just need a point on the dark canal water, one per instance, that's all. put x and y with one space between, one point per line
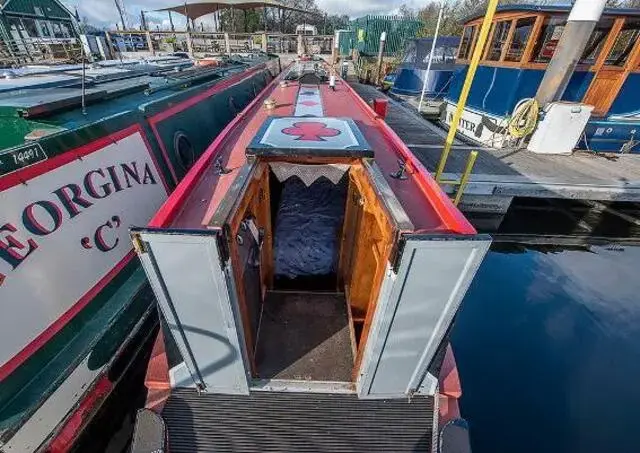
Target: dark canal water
548 349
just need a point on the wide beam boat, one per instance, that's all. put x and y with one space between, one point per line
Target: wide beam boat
522 42
87 152
307 270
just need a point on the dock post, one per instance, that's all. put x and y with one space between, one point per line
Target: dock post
227 44
189 44
383 39
150 43
110 49
466 88
583 19
334 48
471 161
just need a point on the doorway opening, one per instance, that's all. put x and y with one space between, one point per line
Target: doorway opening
309 252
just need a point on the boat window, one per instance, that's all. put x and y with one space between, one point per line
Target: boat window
625 42
441 55
596 42
521 36
550 36
500 35
465 44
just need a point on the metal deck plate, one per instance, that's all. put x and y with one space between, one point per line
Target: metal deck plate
296 422
324 137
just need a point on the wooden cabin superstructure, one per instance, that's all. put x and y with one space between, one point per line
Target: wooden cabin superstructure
521 43
307 252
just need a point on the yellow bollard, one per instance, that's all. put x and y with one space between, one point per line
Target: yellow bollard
471 161
466 88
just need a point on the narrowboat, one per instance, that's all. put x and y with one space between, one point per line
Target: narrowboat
408 78
521 43
307 271
87 152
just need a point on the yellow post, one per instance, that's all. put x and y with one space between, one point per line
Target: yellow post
466 88
465 176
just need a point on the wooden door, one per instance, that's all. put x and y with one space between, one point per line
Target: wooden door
617 59
604 89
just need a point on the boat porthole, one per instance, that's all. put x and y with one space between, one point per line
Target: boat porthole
183 150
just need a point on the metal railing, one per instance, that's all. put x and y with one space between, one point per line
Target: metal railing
200 42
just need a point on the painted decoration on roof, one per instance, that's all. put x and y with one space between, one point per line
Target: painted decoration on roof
301 133
309 102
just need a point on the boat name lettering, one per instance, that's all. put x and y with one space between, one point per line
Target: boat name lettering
464 124
44 217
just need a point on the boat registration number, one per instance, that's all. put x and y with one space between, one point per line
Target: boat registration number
23 157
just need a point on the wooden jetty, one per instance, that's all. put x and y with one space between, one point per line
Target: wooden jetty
502 174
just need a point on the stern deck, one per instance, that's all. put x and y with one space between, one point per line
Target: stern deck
296 422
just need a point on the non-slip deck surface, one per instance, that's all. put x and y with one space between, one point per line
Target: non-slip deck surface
296 422
304 336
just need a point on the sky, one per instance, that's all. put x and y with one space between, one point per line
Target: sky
104 13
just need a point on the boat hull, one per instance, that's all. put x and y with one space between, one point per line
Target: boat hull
79 300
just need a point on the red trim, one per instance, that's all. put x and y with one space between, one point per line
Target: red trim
26 352
170 208
66 438
453 219
25 174
157 379
154 120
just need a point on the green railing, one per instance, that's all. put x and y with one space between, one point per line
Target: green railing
369 28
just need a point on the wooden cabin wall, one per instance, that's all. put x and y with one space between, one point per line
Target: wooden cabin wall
255 202
367 243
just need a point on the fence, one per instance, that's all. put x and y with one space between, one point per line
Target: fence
203 43
367 31
16 52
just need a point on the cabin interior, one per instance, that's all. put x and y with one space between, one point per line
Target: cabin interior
309 242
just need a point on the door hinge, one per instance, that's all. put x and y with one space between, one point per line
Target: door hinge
138 244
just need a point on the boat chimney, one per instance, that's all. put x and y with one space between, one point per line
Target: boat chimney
583 18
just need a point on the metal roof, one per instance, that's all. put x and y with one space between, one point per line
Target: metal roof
632 12
199 8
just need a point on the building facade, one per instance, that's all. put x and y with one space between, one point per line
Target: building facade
34 30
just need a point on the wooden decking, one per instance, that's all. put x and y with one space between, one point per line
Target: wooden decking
500 175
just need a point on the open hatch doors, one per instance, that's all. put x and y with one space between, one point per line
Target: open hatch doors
416 305
195 298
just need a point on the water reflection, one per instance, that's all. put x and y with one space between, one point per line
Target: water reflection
548 347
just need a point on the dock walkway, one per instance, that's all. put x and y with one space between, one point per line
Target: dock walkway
500 175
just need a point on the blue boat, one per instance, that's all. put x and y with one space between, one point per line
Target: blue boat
408 78
522 41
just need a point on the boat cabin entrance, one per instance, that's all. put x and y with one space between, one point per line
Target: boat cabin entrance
306 272
309 243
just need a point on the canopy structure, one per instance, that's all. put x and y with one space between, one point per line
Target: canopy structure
198 8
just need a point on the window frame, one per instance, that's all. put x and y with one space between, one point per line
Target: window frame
474 30
513 18
512 35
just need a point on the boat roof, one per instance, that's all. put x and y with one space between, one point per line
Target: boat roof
49 97
444 41
553 9
200 194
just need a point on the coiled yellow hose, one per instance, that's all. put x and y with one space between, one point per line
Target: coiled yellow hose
524 119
